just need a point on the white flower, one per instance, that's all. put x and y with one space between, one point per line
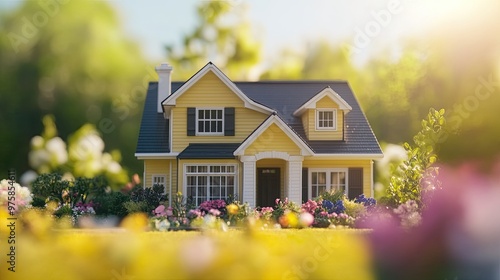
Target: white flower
37 158
162 225
114 167
57 148
37 142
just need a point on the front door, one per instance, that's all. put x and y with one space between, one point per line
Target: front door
268 186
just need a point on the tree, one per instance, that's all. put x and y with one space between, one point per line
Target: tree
70 59
222 36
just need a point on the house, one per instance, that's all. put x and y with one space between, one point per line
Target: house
210 138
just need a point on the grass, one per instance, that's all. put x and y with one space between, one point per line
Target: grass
130 253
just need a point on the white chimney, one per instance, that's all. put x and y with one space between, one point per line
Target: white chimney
164 71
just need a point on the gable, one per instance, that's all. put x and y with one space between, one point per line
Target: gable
273 135
209 91
208 69
326 102
328 92
273 139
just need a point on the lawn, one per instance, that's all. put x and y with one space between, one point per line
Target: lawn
45 253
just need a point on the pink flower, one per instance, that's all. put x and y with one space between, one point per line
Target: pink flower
169 211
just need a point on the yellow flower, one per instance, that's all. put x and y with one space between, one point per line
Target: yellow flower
232 209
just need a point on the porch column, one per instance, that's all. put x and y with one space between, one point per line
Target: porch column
294 180
249 184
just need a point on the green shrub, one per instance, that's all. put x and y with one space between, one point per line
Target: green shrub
111 204
85 188
136 207
353 209
50 186
151 197
333 195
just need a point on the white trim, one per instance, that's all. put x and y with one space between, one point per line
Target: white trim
249 103
371 180
328 91
274 119
197 132
156 155
170 133
328 178
316 120
170 183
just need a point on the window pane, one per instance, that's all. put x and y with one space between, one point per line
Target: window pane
219 126
321 177
213 114
213 126
201 114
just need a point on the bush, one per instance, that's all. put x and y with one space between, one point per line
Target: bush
150 198
50 186
111 204
136 207
85 188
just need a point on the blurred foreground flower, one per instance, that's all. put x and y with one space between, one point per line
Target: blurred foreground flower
22 195
458 238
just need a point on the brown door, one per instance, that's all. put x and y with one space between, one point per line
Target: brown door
268 186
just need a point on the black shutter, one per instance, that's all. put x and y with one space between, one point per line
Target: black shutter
355 182
229 121
305 185
191 121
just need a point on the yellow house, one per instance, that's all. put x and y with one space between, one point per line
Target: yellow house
212 138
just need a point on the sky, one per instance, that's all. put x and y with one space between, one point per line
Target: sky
370 26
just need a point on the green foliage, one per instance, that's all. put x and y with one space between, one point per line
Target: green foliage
416 174
222 36
83 188
80 71
146 199
136 207
333 195
112 204
50 187
353 209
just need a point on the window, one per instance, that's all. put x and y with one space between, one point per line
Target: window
325 180
160 180
210 121
209 182
326 119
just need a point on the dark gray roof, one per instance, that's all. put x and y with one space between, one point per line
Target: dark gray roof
283 96
209 150
153 134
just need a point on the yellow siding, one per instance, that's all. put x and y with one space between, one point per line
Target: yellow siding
273 139
183 162
263 163
305 123
326 103
365 164
208 92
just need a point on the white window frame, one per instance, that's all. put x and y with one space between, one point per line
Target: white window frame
154 178
334 115
198 132
328 182
207 174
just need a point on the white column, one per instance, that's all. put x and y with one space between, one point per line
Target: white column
294 180
249 181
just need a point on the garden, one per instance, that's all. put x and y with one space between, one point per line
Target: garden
431 223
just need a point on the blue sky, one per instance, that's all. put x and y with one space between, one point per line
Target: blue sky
377 25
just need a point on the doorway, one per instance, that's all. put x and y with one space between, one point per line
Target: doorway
268 186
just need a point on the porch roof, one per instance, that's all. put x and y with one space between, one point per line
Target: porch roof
209 150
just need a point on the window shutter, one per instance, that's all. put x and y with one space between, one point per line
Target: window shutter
229 121
355 182
305 185
191 121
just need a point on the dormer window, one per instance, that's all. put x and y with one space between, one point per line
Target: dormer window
210 121
326 119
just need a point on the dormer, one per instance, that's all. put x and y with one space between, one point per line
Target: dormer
323 115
